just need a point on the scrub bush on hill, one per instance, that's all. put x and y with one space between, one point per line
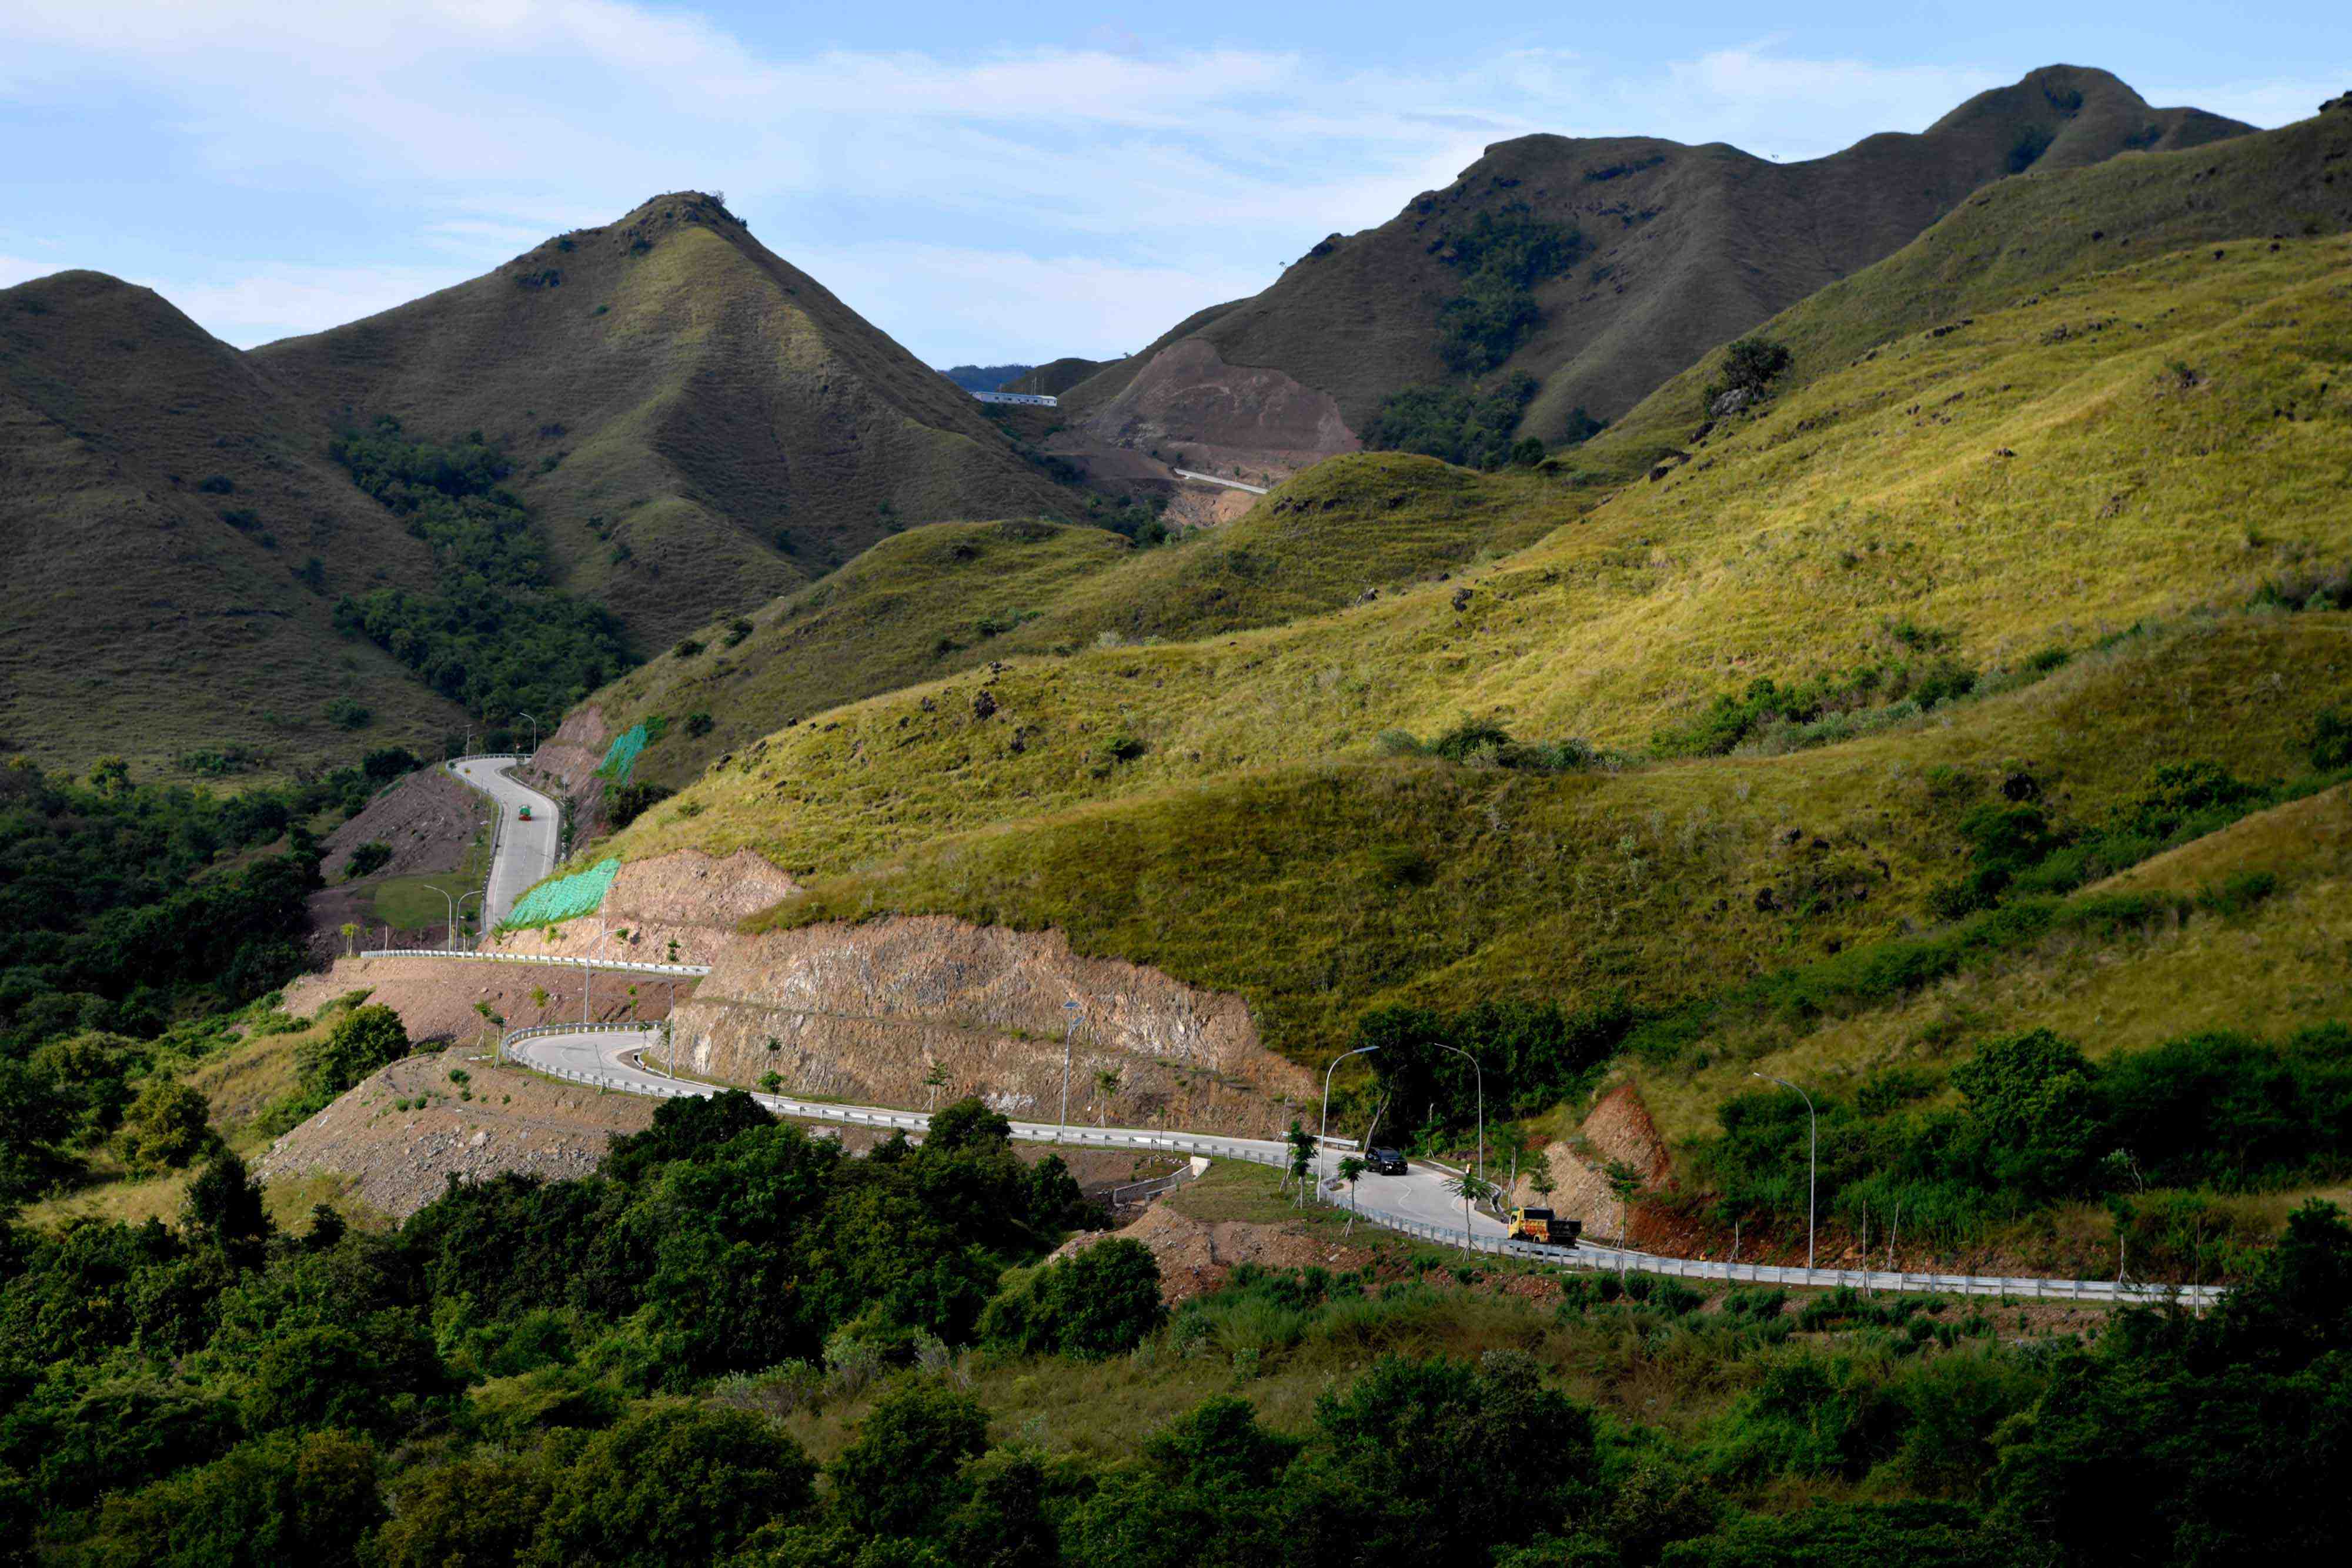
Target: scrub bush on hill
2038 1122
493 636
1455 423
214 1393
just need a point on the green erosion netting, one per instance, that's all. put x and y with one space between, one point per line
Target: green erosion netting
566 896
621 754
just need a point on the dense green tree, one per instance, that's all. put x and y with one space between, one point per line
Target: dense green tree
167 1126
364 1041
672 1483
279 1499
899 1475
481 1510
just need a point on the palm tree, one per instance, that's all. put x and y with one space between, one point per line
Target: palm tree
1352 1171
1469 1188
935 1080
350 939
1106 1085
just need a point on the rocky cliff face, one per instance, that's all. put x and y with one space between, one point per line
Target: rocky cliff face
674 909
873 1013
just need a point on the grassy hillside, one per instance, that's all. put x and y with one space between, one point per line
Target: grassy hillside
1678 249
1996 503
2024 235
953 596
177 538
701 425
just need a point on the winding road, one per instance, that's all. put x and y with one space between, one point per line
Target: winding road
1418 1203
526 850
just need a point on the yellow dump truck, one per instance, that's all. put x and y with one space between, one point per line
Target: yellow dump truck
1542 1225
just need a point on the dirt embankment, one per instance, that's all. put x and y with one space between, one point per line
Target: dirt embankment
1195 1255
565 766
1242 421
435 998
870 1013
680 908
404 1133
1619 1132
426 820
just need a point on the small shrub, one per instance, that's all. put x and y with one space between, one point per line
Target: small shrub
217 485
2330 740
370 857
699 724
344 713
737 630
687 648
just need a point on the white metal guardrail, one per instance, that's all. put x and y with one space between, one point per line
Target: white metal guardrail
1220 479
1265 1152
557 959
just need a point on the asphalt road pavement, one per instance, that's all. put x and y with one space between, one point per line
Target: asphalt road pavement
526 849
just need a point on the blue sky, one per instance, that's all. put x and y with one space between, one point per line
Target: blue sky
984 182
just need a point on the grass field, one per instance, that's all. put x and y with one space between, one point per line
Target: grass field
410 903
957 596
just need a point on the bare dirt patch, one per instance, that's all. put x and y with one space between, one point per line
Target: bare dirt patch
435 997
398 1137
1191 408
1195 1256
427 820
869 1013
680 908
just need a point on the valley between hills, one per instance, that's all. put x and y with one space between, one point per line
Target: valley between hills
1827 687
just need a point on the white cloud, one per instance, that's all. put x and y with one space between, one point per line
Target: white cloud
1073 199
285 300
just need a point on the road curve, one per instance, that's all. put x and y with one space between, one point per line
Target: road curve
614 1058
1417 1203
526 852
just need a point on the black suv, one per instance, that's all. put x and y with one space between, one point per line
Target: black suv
1385 1162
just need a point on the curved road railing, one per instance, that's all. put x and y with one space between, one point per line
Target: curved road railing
1266 1152
560 960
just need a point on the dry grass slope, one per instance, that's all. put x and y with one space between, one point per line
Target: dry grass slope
162 501
953 596
2001 490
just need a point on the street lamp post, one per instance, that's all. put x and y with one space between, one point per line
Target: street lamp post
1482 1101
1324 1129
534 730
1812 1156
477 892
450 944
1061 1130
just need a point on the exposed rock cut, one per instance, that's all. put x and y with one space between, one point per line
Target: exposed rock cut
435 997
688 899
1225 417
863 1013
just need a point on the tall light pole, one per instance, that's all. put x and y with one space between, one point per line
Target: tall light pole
1324 1129
450 944
1482 1101
477 892
1812 1158
1061 1130
534 730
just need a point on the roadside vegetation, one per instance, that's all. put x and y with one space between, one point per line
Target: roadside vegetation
137 921
737 1345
